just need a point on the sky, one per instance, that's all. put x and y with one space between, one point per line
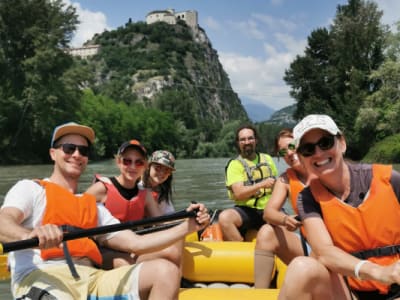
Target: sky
256 40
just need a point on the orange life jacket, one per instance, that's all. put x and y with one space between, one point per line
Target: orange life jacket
121 208
296 186
373 224
65 208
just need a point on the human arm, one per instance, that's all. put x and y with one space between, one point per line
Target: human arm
98 190
17 219
243 192
273 213
333 257
128 241
339 261
152 208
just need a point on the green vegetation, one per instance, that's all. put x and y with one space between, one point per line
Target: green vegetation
158 84
385 151
351 72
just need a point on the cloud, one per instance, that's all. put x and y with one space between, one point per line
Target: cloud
249 28
212 23
90 24
390 9
260 79
275 23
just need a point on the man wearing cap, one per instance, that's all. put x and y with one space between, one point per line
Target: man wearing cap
350 213
60 270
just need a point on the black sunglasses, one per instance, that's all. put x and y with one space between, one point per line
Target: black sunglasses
324 143
282 152
71 148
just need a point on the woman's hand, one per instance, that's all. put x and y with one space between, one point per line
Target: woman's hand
291 222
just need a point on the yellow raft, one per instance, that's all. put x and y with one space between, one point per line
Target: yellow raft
222 270
231 264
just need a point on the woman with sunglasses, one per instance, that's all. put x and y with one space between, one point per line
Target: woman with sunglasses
127 201
278 237
350 213
158 178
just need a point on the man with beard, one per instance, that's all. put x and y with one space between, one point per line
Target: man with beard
249 180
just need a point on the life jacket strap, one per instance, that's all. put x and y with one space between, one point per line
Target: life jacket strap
377 252
68 257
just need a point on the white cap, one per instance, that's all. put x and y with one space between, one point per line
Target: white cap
309 122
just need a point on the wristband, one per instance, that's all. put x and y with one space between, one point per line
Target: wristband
358 267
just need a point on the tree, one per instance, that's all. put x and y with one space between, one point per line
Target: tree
379 116
333 77
35 70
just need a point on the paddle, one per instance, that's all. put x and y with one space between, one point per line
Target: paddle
80 233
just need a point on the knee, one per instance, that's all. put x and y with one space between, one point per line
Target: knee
168 269
174 253
308 267
226 217
265 236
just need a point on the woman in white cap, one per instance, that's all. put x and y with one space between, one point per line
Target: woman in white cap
350 213
158 178
277 236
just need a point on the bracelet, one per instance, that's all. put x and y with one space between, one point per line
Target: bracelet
358 267
284 220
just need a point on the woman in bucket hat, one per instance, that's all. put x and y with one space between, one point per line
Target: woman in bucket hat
158 178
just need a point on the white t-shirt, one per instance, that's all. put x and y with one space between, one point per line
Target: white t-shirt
30 197
166 208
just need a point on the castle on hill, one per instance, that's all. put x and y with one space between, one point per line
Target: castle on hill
168 16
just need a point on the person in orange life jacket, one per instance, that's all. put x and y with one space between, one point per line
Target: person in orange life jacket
67 270
350 213
277 237
127 201
158 178
250 194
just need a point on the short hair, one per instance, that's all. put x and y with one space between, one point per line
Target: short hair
246 126
285 132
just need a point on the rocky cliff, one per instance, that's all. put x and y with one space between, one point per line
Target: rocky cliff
170 67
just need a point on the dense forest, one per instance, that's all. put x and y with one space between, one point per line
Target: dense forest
349 70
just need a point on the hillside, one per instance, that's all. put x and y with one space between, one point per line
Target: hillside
257 111
169 67
283 117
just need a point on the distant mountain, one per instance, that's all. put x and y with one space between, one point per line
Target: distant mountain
257 111
284 117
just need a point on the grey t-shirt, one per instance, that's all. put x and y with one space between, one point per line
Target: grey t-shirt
360 181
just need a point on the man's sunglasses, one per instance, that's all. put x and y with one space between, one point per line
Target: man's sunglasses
128 162
71 148
282 152
324 143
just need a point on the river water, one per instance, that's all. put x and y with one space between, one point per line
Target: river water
201 180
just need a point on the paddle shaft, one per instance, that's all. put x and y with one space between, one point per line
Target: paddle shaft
80 233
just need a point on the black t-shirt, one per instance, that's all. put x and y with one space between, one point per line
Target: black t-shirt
128 194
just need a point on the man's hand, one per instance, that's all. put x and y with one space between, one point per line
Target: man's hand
202 218
49 236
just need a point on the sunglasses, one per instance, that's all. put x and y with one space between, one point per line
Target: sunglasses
161 168
71 148
282 152
128 162
324 143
